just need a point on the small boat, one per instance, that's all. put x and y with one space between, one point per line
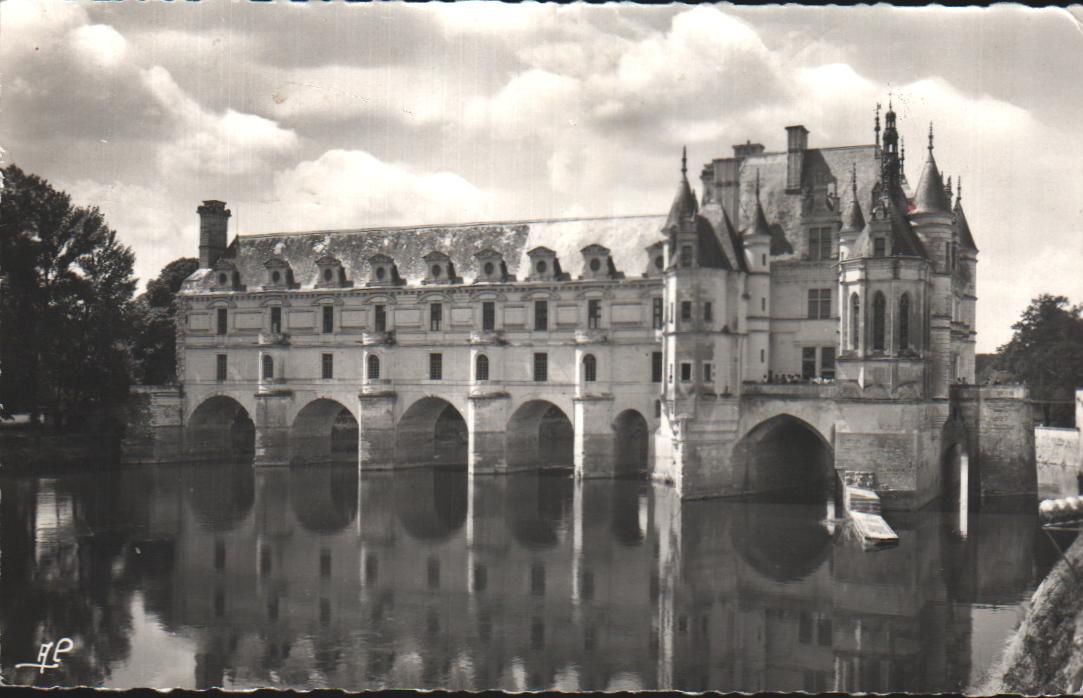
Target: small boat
863 508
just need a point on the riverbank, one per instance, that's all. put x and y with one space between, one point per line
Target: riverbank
1045 654
43 450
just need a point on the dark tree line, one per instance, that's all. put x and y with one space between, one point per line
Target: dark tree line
72 338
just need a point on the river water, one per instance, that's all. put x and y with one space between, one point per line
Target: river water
225 575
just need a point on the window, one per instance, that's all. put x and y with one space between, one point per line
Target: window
686 310
656 313
708 372
763 260
327 273
594 314
327 365
436 316
220 367
541 315
595 264
381 318
656 367
488 316
879 247
763 356
222 318
276 319
819 243
541 367
481 368
819 303
657 409
436 271
763 304
708 312
855 322
827 362
904 322
373 367
328 319
686 256
808 362
268 367
590 368
541 266
436 367
879 310
686 372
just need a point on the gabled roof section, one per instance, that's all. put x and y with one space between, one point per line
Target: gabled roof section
962 228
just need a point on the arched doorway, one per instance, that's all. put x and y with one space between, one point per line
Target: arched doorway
632 444
431 432
324 431
787 458
220 429
540 435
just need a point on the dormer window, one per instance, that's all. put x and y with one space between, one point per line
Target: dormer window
656 259
598 263
491 267
226 277
440 269
330 273
278 274
544 265
383 271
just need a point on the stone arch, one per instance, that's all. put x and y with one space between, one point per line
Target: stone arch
785 454
539 435
633 443
220 427
432 431
324 500
324 431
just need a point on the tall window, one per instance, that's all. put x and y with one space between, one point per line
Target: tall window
879 310
855 322
686 372
819 243
436 367
373 367
808 362
708 372
827 362
879 247
220 367
686 310
436 316
708 312
590 368
656 313
481 368
268 367
686 255
381 318
541 315
594 313
488 316
222 321
327 366
541 367
819 303
904 321
276 319
328 319
656 367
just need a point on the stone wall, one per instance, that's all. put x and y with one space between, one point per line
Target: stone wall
1053 446
153 427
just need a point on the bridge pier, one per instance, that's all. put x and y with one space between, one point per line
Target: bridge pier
272 427
595 447
486 422
376 434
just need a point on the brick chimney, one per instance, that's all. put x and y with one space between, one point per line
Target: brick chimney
213 229
796 145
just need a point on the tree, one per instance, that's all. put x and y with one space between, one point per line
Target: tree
155 348
66 306
1046 352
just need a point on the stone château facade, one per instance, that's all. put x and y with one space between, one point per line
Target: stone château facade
809 311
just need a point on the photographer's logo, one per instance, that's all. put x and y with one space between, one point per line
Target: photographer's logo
62 646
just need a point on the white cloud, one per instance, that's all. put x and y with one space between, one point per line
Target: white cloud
99 45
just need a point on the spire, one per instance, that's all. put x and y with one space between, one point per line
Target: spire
959 191
759 221
931 196
962 228
902 157
684 204
877 128
853 219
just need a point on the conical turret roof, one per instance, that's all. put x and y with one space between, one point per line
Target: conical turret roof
684 206
966 239
759 219
930 196
852 218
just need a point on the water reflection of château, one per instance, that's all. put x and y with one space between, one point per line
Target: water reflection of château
304 578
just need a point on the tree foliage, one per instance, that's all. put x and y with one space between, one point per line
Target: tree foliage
66 305
1046 353
154 348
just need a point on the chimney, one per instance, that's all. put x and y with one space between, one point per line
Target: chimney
796 145
213 228
747 149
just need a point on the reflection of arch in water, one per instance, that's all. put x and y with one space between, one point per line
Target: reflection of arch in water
324 500
220 427
324 431
632 443
629 521
539 435
431 431
431 504
785 454
783 542
220 498
538 508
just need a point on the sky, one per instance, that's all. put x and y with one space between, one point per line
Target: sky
306 116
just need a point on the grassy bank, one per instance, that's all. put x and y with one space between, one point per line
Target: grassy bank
41 451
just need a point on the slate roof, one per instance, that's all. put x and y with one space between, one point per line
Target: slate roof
930 195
